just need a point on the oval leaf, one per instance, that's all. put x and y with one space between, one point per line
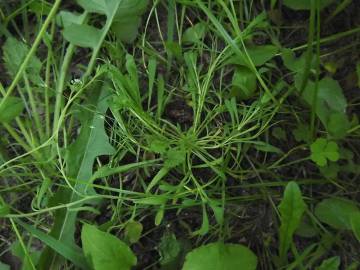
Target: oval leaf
219 256
291 209
105 251
336 212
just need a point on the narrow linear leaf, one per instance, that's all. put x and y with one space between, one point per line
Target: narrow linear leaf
71 252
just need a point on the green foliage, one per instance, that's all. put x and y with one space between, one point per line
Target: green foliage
14 53
305 4
220 256
330 264
133 230
336 212
195 33
11 109
355 224
169 249
80 155
291 209
69 251
4 208
323 150
105 251
243 83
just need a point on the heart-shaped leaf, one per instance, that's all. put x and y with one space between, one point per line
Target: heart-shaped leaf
323 150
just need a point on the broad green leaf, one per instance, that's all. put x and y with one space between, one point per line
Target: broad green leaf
195 33
14 53
338 125
243 83
66 18
323 150
262 53
330 264
133 230
105 251
82 35
128 18
11 109
258 54
355 224
94 6
305 4
69 251
80 155
330 99
220 256
169 248
292 208
336 212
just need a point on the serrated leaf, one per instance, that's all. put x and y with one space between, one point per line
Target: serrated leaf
323 150
80 155
355 224
336 212
330 264
14 53
174 157
292 208
219 256
11 109
105 251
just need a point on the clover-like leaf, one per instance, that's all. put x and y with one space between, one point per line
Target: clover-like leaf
322 150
